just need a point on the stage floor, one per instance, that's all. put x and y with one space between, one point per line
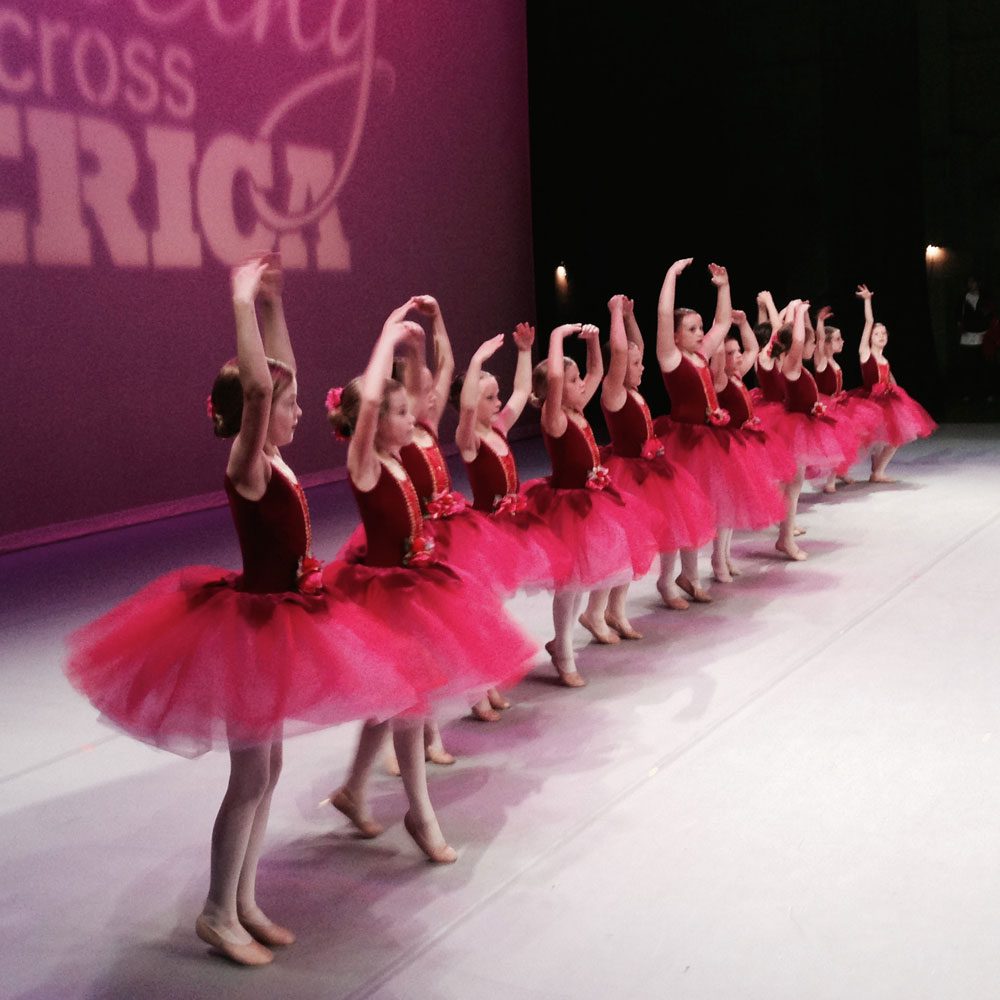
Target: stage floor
791 793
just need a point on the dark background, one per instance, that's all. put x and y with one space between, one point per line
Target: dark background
806 146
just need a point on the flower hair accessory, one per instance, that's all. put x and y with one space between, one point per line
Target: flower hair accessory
210 407
598 478
333 398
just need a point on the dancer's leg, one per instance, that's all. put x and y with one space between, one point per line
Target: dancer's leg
420 820
616 617
671 595
565 608
593 619
786 543
352 797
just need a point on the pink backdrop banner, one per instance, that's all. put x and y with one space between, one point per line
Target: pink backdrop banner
146 145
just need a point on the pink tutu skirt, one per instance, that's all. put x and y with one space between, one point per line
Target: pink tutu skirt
606 532
445 622
817 442
741 487
903 418
686 516
770 451
191 664
864 416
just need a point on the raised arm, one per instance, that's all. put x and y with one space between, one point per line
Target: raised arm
553 417
444 360
723 319
770 310
362 460
613 391
277 343
632 331
524 338
865 347
668 354
809 350
748 341
717 365
821 357
466 437
247 462
792 368
595 363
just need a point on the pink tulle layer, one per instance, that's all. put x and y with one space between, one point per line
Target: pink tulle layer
820 444
453 629
190 664
903 418
686 516
606 531
743 490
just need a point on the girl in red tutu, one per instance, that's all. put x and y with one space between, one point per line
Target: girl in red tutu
696 434
536 557
603 529
202 658
903 418
731 362
637 461
864 415
454 634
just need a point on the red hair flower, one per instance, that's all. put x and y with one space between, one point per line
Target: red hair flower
209 407
333 398
653 448
309 579
419 550
598 478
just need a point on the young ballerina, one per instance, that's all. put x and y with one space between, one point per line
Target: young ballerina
452 627
864 415
202 658
729 365
538 559
637 461
904 419
604 530
695 434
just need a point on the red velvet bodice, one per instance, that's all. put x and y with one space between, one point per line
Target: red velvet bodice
426 467
692 395
735 397
573 456
491 475
274 534
630 427
830 380
772 385
873 373
390 512
800 394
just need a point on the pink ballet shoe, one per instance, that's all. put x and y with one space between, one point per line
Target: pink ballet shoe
344 802
568 678
485 713
791 551
268 932
604 636
697 594
497 700
439 855
623 628
438 755
250 954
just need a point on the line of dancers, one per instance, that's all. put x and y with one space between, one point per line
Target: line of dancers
408 620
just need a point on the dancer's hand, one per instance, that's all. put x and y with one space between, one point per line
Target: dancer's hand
628 306
488 348
863 292
615 302
272 282
589 332
245 279
524 336
763 297
426 304
720 276
679 266
567 330
739 317
824 314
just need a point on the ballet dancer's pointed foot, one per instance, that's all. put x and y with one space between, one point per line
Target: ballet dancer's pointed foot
344 802
881 478
497 700
599 630
623 627
565 666
436 754
484 711
698 594
431 841
673 601
392 764
830 488
734 570
721 573
265 930
846 480
790 550
798 531
228 943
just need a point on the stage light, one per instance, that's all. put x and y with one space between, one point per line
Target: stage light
561 274
933 253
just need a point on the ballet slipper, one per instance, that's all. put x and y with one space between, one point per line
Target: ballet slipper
673 601
698 594
733 570
251 953
798 531
623 627
791 551
344 802
604 636
497 700
484 711
568 678
830 488
846 480
439 855
873 478
721 574
268 932
437 754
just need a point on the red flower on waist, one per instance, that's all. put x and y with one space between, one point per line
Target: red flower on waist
753 424
510 503
598 478
882 389
819 409
652 448
309 579
445 505
419 550
717 417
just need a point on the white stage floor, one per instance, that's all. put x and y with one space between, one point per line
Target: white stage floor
791 793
